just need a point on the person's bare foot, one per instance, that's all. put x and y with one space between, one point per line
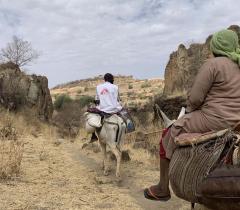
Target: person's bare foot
156 192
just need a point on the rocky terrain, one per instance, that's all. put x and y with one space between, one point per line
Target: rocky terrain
184 64
180 72
132 91
19 91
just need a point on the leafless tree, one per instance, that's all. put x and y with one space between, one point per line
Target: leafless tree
19 52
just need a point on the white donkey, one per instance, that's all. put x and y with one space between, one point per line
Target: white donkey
111 133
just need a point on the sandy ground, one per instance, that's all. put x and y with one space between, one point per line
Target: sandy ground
66 177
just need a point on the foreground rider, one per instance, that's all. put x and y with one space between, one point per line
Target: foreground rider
107 98
212 104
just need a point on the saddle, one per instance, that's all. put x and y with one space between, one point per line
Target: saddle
209 167
223 180
124 114
96 118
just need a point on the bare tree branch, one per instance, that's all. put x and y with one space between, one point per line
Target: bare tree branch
19 52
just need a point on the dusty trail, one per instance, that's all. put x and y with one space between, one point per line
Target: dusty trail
65 177
133 179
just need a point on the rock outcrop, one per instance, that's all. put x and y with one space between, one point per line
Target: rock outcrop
184 65
19 91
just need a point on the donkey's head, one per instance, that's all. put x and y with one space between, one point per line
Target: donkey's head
166 121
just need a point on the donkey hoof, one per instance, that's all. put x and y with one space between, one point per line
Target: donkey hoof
119 180
118 175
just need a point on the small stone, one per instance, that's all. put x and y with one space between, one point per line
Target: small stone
103 180
57 142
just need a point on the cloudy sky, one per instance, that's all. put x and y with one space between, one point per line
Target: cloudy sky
83 38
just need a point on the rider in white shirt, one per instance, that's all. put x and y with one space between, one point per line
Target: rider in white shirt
108 96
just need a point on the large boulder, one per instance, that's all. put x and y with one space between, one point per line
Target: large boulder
184 64
20 91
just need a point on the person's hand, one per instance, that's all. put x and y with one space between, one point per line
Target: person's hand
97 102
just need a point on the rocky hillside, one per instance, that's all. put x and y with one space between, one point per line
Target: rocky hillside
20 91
183 65
132 91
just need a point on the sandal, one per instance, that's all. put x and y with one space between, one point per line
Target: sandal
148 194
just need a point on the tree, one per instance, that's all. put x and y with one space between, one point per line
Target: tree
19 52
130 86
84 101
61 100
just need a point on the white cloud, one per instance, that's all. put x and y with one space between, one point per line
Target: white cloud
84 38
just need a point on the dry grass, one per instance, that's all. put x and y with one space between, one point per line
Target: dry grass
153 137
11 151
64 176
130 137
14 128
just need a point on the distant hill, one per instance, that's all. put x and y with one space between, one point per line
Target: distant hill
132 91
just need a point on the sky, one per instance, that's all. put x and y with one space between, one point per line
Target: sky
80 39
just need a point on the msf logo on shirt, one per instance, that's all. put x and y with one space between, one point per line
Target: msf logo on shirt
104 91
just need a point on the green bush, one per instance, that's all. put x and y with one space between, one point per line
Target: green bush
85 100
145 85
131 104
142 96
61 100
130 86
129 94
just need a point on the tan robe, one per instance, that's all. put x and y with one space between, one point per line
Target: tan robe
213 102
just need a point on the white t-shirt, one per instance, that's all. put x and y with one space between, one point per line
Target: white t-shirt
107 93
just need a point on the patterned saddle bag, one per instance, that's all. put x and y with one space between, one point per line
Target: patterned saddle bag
191 166
223 180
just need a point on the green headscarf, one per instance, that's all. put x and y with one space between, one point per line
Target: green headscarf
225 42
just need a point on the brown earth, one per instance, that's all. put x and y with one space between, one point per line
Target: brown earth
58 174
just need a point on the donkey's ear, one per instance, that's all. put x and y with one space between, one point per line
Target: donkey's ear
182 112
166 121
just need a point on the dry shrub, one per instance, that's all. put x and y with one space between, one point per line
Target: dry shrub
171 106
148 141
68 120
153 137
130 137
143 117
11 152
12 95
152 141
27 123
8 65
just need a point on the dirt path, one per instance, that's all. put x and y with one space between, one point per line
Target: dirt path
134 179
65 177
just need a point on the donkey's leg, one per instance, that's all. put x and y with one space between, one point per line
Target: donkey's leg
104 152
118 155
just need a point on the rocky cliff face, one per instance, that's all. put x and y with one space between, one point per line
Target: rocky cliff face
184 64
19 91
